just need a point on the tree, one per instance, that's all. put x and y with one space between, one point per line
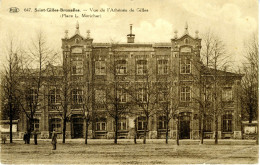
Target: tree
216 59
38 56
250 80
10 83
116 99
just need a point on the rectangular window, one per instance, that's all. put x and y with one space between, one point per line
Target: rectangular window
185 66
54 96
142 95
227 94
77 67
121 67
162 67
35 125
208 124
141 66
162 122
162 95
227 122
77 96
185 93
101 126
121 96
32 95
100 96
141 123
122 124
55 125
100 67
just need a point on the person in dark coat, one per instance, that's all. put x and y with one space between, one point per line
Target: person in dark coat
25 138
54 140
35 138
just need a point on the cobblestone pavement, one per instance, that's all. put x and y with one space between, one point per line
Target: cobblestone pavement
125 152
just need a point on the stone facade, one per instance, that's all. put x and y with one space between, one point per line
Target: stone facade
88 73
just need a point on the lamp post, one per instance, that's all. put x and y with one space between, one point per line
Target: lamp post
86 118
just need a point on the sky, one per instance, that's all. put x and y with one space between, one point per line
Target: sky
232 20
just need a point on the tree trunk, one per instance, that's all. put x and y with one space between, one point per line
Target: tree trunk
116 129
86 136
177 132
145 129
135 132
64 130
202 129
216 129
11 121
167 132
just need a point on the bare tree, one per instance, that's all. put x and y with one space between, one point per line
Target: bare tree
250 80
10 82
216 59
37 57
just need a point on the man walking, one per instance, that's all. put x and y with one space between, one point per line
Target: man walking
54 140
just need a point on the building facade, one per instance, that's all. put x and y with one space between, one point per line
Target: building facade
93 69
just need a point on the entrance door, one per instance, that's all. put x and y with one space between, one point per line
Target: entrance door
78 128
185 126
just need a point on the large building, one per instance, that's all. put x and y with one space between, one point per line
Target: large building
91 67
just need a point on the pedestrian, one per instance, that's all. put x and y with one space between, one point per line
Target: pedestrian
4 139
35 137
25 138
54 140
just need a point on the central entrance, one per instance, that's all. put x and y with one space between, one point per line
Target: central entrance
185 125
77 128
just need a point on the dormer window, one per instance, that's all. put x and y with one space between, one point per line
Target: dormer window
76 40
186 41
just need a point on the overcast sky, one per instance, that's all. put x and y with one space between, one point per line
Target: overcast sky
233 20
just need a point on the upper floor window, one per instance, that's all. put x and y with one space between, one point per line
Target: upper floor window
100 96
121 67
142 95
32 95
54 96
185 93
77 67
185 66
100 67
162 95
121 96
141 66
77 96
162 67
227 94
227 122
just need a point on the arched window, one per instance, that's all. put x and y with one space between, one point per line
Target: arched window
186 41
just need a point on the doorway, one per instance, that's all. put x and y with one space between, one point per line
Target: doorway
77 128
185 125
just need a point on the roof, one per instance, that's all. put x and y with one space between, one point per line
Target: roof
209 71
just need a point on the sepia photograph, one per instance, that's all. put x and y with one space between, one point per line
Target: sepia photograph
129 82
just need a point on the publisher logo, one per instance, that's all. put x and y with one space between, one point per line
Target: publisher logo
14 10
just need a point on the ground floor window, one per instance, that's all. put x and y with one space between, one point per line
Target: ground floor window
227 122
141 123
122 124
208 125
55 125
35 125
101 125
162 122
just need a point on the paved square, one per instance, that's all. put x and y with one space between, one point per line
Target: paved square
105 152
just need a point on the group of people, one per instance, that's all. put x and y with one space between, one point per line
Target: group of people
26 138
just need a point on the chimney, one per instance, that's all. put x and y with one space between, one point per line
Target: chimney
130 37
